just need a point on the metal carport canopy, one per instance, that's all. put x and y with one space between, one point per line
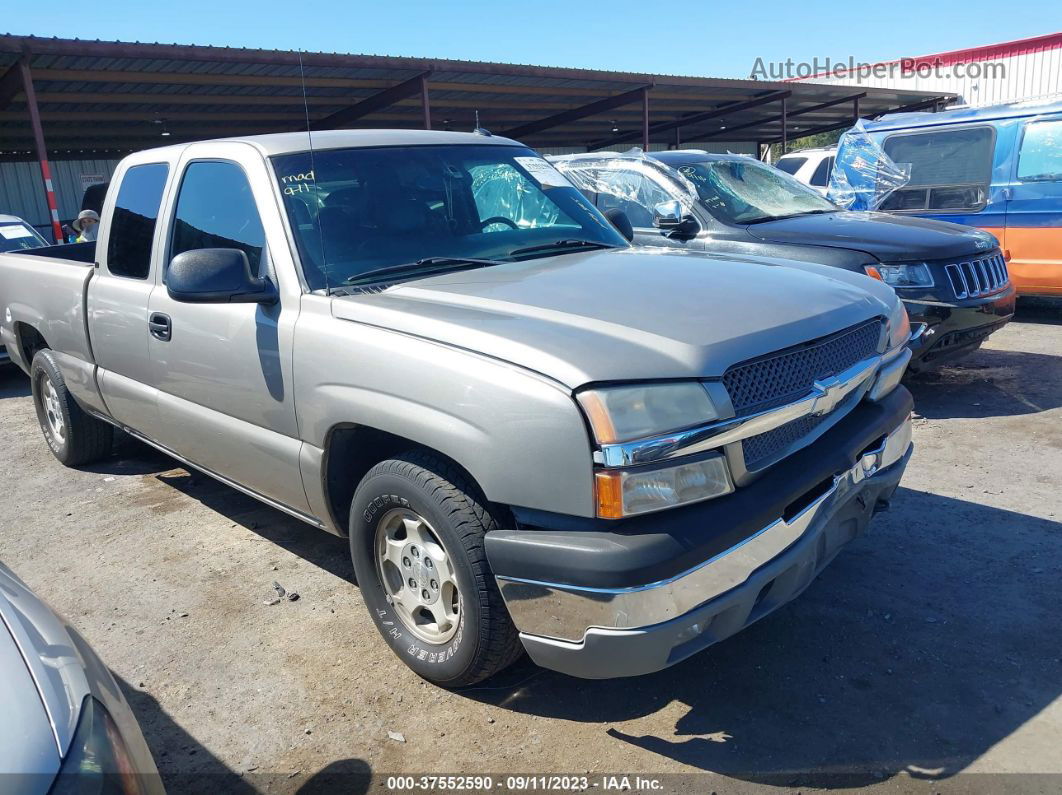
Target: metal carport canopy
114 97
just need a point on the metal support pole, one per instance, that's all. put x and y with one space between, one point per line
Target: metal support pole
42 150
645 119
425 101
855 110
678 137
785 126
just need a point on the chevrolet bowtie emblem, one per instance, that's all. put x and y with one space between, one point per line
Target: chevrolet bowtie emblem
828 393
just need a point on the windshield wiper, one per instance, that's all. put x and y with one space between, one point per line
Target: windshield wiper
427 265
570 244
763 218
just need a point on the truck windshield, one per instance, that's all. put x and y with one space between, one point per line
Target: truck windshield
745 191
364 209
16 236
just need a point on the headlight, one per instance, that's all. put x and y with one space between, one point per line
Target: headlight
899 326
622 492
915 274
97 760
623 413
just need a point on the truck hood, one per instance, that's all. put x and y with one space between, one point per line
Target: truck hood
887 238
625 314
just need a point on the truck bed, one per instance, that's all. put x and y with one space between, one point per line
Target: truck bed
84 253
47 291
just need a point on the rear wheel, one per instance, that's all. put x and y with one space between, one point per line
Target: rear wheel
74 436
416 537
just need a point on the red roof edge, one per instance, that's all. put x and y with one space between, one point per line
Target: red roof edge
988 52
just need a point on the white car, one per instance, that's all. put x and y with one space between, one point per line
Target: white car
17 235
810 166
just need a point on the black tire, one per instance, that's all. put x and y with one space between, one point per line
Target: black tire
433 488
82 438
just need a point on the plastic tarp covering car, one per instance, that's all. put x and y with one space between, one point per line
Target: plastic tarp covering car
621 176
500 191
863 175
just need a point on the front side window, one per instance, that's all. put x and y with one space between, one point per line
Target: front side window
136 211
216 209
950 169
633 193
1040 159
17 236
745 191
357 210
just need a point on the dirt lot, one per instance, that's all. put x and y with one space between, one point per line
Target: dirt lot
928 649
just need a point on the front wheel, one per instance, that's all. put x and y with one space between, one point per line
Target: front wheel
416 537
74 436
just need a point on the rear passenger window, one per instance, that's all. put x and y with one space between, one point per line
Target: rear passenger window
821 177
950 169
133 221
215 209
790 165
1040 159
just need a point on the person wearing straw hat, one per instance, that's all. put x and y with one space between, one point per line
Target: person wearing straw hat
86 225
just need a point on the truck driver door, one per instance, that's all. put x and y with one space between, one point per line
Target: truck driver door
223 370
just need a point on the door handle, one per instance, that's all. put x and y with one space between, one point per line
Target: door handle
160 325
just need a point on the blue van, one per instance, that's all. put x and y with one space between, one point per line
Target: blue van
998 168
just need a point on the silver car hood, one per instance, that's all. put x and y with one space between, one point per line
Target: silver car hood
29 757
49 654
625 314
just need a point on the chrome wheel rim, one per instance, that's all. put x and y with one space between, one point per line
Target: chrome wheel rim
417 575
53 414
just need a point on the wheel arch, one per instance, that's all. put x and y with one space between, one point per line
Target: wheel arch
351 450
29 341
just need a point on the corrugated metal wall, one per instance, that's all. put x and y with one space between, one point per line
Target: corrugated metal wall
1026 76
22 190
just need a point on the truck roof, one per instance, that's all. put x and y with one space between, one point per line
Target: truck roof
289 142
1010 110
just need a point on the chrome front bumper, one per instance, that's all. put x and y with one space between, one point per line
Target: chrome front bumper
606 632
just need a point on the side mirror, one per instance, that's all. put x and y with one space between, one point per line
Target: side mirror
668 215
217 276
619 219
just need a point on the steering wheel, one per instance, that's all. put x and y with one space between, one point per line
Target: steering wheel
497 219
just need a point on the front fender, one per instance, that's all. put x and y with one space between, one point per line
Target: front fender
519 434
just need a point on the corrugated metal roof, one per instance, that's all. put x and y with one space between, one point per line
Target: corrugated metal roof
118 97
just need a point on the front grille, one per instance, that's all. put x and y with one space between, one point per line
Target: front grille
978 276
766 448
787 375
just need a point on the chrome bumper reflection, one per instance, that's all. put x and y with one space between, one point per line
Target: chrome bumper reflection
566 612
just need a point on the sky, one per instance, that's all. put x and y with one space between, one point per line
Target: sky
701 38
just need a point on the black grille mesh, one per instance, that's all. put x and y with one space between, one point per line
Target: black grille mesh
785 376
764 449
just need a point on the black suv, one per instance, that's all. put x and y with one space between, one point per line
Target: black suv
952 279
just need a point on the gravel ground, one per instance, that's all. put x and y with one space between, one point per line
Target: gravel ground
930 648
